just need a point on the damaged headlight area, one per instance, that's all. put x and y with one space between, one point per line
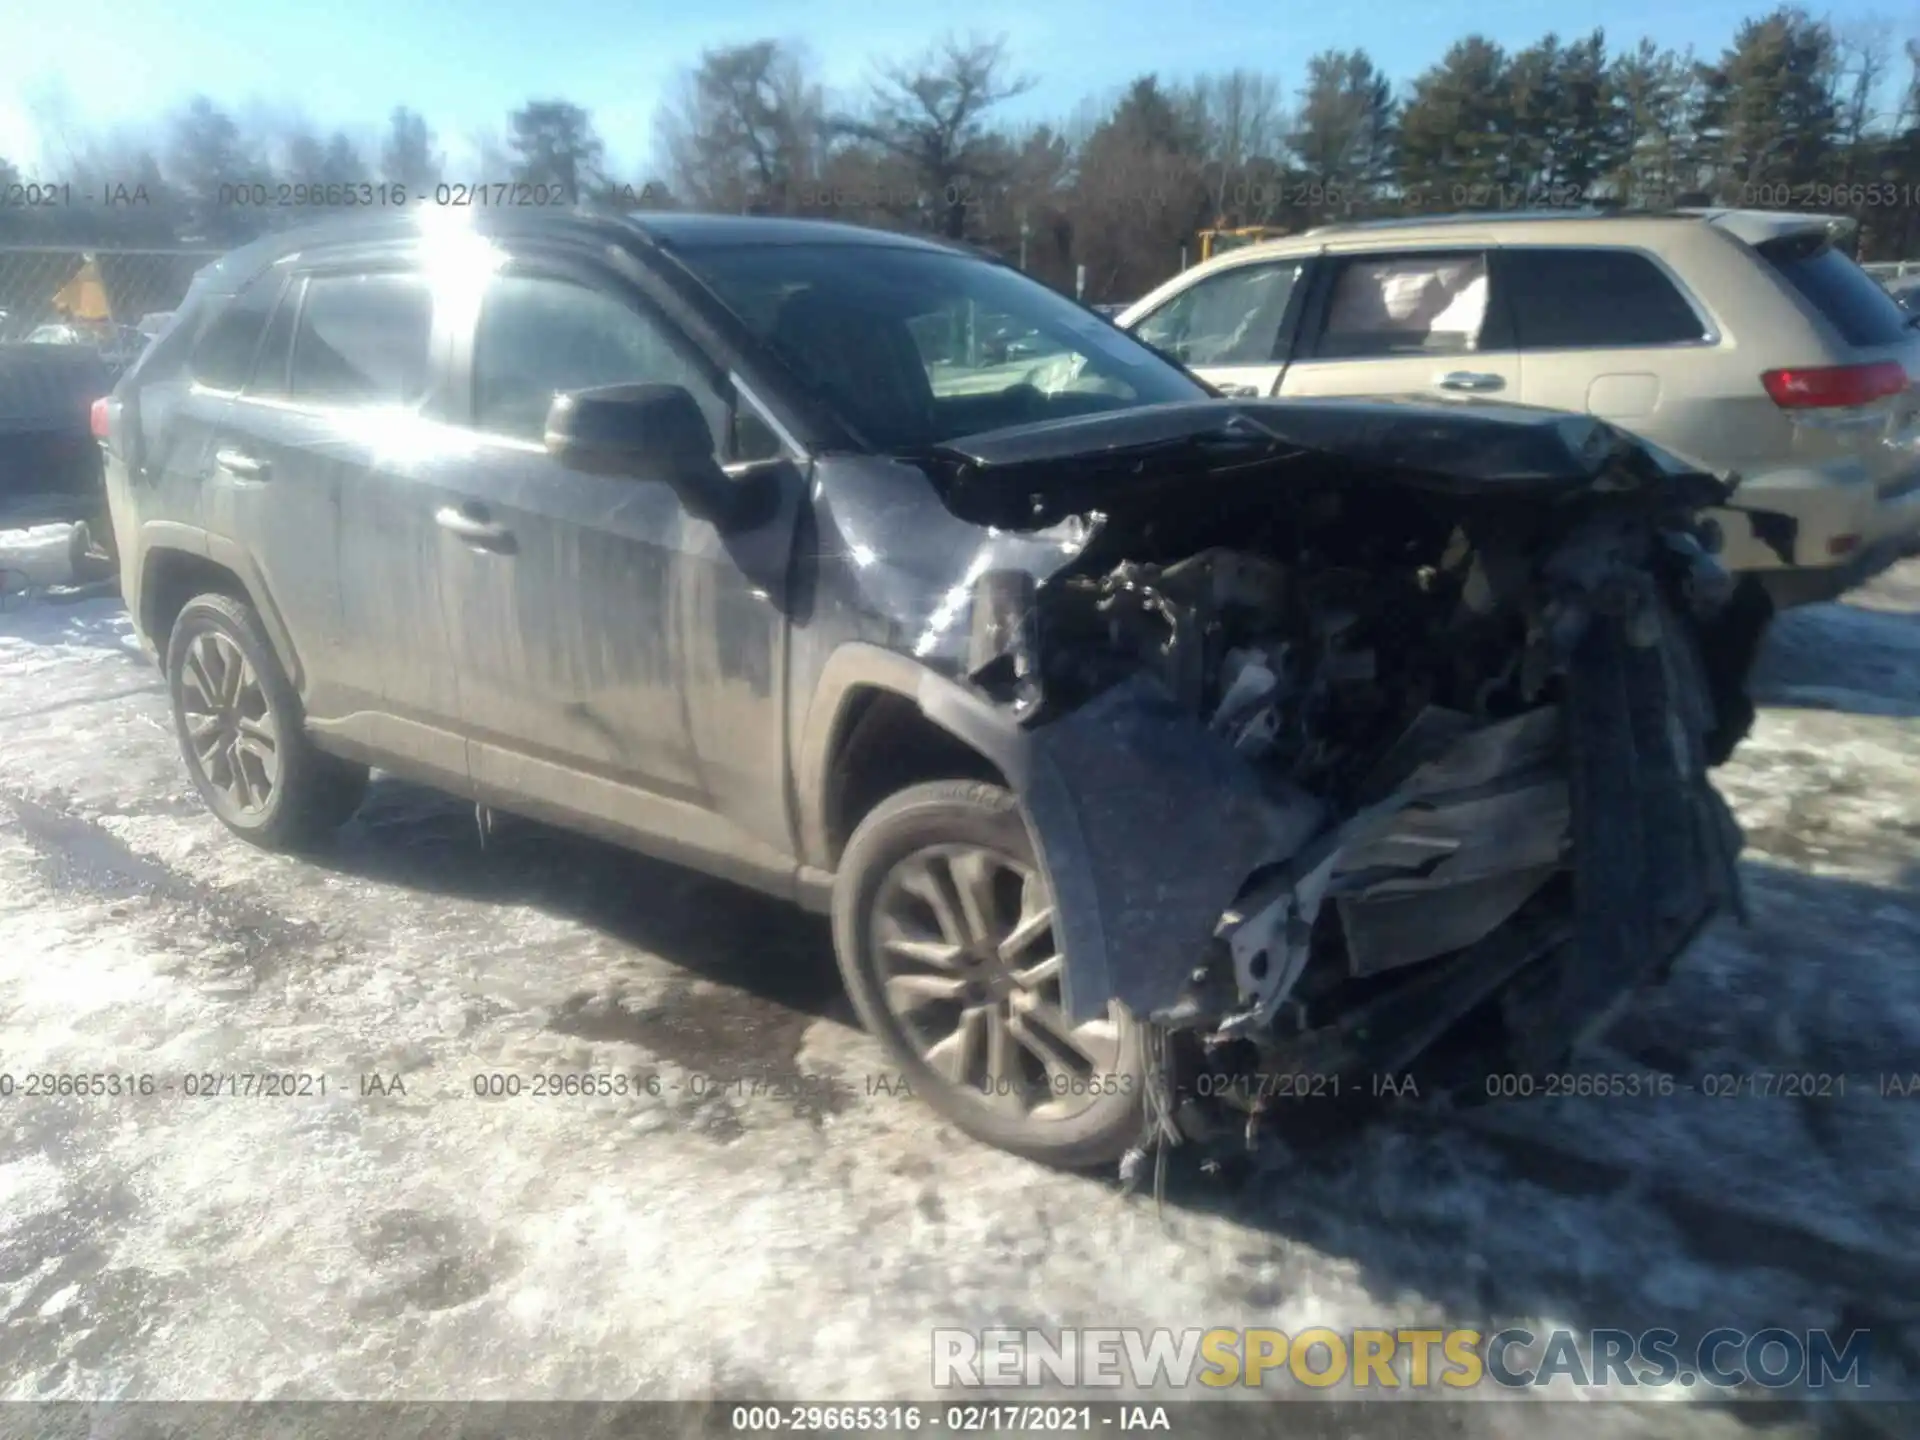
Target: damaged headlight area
1397 782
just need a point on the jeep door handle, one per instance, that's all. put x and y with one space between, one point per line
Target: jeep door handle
481 534
1476 382
238 462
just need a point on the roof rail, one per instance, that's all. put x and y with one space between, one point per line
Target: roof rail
1594 210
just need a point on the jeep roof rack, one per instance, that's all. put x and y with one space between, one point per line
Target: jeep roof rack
1599 210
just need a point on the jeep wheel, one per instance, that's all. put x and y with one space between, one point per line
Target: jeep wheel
239 726
943 923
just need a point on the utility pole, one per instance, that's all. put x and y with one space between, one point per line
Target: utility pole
1024 232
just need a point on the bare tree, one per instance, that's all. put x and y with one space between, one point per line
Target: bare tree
745 130
931 115
1142 191
1243 120
1863 54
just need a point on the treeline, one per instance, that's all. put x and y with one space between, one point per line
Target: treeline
1792 114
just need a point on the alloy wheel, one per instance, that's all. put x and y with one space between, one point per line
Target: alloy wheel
232 734
969 965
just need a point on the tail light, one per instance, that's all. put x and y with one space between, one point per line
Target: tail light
1833 387
98 419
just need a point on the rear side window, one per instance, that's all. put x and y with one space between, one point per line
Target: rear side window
1850 299
223 355
1572 299
363 340
1428 304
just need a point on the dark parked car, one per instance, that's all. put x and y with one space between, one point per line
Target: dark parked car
49 459
1137 741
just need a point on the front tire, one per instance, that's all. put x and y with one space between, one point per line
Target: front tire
943 925
242 734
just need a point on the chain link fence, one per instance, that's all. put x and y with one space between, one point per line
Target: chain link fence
71 321
90 291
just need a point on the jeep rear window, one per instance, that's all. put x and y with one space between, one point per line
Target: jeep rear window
1850 299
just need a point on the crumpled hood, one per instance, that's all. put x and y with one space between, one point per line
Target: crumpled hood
1034 475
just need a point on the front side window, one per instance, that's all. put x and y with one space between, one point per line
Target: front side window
1405 305
1563 299
912 347
539 337
363 340
1228 319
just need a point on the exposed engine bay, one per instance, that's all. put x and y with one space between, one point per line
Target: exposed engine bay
1407 776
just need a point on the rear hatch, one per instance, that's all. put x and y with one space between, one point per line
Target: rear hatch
1859 405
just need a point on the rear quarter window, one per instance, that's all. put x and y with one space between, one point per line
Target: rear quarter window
224 349
1570 299
1850 299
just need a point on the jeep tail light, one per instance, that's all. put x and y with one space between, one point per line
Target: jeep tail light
98 419
1834 387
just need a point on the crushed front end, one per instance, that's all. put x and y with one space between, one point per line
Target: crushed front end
1370 741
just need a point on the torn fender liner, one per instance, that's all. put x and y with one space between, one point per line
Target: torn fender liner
1150 825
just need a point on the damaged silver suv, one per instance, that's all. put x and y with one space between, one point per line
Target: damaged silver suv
1141 743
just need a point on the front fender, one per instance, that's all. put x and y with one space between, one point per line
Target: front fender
1145 822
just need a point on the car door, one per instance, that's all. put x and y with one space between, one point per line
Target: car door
1233 327
1413 321
185 406
272 496
620 662
358 425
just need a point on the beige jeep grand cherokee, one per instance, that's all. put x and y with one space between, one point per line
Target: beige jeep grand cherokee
1744 341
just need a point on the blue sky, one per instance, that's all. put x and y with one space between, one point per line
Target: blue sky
71 67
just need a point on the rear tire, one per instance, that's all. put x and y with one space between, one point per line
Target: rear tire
942 925
242 731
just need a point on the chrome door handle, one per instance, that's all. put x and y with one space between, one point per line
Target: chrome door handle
481 533
1473 381
238 462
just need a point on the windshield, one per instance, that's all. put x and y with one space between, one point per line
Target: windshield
912 348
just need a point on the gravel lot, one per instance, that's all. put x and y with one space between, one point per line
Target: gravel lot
773 1236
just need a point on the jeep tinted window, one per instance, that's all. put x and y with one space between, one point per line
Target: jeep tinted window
1569 299
223 354
363 340
1852 301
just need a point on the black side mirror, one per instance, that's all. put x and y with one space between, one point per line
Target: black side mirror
651 432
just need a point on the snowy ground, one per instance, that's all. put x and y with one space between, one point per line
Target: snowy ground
431 1244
